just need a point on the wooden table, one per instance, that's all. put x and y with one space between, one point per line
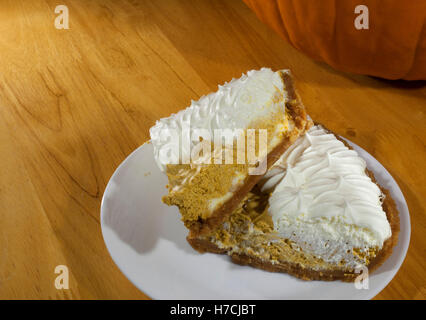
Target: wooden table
74 103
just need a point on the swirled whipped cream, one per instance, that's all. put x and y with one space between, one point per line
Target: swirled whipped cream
257 95
324 201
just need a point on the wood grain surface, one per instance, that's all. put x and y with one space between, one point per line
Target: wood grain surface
74 103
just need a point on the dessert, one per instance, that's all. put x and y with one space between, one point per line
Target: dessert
260 112
317 214
301 201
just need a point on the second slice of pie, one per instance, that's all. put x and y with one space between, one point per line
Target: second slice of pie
317 214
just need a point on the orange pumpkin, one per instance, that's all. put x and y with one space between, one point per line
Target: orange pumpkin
393 46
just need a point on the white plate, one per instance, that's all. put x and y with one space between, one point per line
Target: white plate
146 239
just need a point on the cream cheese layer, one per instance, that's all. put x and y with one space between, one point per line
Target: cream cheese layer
254 97
323 199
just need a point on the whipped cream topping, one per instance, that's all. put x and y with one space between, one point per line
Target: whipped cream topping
235 105
321 193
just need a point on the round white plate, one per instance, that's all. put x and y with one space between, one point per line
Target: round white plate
146 239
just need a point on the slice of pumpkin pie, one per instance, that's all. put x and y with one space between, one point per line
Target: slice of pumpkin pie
318 213
218 148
